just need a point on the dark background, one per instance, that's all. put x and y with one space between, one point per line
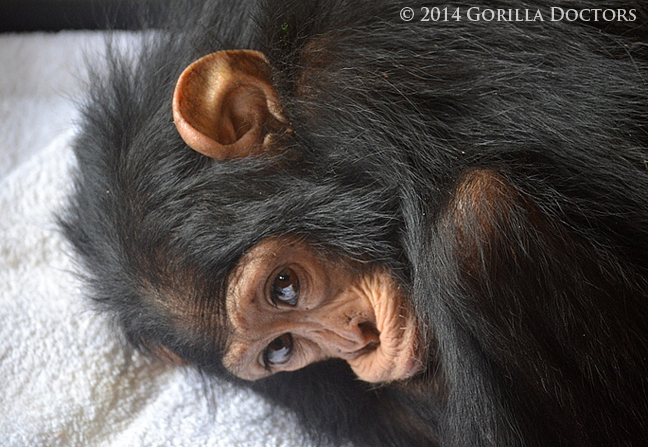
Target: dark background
55 15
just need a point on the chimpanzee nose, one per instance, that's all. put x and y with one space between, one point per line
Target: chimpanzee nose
356 338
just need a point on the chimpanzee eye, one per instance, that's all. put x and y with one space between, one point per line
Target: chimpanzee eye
285 288
278 351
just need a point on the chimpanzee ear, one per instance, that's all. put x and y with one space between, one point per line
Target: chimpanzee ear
225 107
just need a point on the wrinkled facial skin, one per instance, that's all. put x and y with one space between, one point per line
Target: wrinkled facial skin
290 308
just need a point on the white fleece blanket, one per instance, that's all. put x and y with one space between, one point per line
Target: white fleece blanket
65 377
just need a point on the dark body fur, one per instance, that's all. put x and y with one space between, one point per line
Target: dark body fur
499 169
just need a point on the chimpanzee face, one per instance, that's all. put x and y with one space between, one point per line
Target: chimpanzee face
289 308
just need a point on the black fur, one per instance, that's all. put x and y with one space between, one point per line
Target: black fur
539 334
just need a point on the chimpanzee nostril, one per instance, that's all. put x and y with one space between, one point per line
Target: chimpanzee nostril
368 328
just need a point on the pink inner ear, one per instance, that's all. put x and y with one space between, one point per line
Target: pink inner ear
240 114
223 102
